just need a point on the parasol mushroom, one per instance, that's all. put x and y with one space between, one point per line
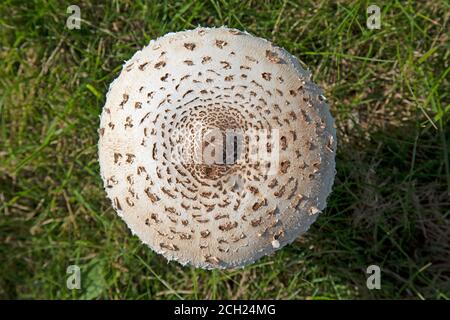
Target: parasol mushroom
216 148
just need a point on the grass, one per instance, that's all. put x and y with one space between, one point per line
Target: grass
389 92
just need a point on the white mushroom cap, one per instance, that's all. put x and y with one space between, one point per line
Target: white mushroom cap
174 100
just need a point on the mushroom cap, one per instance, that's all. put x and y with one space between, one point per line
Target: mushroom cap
174 175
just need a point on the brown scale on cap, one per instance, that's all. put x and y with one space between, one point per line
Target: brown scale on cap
216 148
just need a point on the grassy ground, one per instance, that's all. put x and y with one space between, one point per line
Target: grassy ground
388 89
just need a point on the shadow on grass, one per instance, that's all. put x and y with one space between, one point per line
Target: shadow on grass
389 208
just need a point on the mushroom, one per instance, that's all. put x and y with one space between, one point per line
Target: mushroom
216 148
